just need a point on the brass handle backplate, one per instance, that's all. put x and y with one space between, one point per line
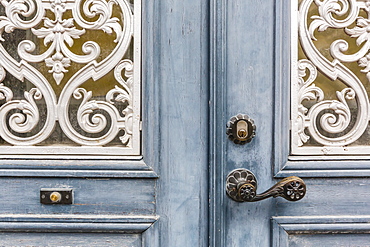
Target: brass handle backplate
241 186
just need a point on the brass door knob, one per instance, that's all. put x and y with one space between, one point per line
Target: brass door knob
241 186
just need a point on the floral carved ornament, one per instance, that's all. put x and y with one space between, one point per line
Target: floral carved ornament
58 35
331 123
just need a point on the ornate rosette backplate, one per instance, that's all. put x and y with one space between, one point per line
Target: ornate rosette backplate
330 77
59 36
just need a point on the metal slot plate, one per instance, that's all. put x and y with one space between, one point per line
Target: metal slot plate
66 196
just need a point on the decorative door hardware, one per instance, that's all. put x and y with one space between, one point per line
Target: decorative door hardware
241 129
56 196
241 186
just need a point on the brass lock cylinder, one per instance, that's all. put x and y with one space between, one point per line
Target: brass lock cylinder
241 129
55 197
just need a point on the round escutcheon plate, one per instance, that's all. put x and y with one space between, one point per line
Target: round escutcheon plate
241 129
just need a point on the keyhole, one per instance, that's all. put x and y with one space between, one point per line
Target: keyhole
242 129
55 197
242 133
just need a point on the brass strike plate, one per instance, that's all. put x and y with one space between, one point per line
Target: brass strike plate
56 196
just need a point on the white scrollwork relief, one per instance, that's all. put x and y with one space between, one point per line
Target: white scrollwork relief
307 91
328 122
97 121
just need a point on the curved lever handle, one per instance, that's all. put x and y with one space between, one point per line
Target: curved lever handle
241 186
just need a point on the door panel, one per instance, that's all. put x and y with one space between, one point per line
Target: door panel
321 230
177 73
90 196
329 240
71 118
246 87
69 239
59 94
252 75
154 194
346 196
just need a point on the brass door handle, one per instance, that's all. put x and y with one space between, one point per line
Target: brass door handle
241 186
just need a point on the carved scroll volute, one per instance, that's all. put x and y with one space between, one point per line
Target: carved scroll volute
98 120
331 122
241 186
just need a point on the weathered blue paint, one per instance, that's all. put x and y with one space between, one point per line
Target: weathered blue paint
177 78
91 196
70 239
175 149
244 84
203 62
350 166
250 53
321 231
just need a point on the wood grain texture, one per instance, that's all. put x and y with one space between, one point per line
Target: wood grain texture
58 227
70 239
330 197
218 87
329 240
72 173
244 52
282 73
72 230
191 90
176 58
91 196
175 136
321 231
250 75
303 166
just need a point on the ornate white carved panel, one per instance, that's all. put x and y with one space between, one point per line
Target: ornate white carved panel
330 77
70 77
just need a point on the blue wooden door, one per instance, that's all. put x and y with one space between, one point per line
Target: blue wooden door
200 63
280 62
108 100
